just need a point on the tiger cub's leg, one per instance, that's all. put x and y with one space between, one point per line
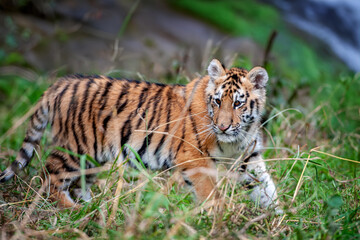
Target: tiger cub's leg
255 175
60 168
202 176
85 196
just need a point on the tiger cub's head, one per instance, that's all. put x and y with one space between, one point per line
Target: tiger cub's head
236 99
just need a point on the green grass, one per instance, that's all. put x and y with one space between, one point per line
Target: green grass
327 116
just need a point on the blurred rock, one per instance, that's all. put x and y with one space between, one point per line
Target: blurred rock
84 37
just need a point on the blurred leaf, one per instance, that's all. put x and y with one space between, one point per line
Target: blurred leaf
14 58
157 201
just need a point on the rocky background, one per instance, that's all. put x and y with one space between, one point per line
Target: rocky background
99 36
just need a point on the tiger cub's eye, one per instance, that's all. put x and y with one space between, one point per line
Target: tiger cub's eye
236 103
218 101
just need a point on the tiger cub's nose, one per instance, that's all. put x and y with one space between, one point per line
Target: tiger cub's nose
223 128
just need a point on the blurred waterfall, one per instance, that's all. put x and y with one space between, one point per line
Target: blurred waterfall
335 22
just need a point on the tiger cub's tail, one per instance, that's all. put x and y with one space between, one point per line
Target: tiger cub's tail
37 125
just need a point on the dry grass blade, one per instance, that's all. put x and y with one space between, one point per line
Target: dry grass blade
302 175
117 197
45 234
28 190
331 155
279 113
15 203
19 71
254 220
32 206
17 124
300 179
173 230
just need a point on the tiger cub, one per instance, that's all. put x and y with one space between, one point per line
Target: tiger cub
213 117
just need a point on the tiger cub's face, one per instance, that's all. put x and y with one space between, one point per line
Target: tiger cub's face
236 99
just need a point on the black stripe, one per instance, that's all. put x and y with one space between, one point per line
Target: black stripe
68 167
142 100
106 121
170 156
54 112
158 112
48 111
82 110
91 103
251 106
23 154
181 141
58 156
104 97
252 102
143 96
219 146
122 107
57 109
65 126
257 106
104 124
95 140
249 185
74 158
145 144
108 117
74 104
28 140
37 116
124 91
155 100
188 182
246 160
71 106
35 127
125 132
193 123
168 160
42 111
51 170
32 139
168 111
236 78
63 160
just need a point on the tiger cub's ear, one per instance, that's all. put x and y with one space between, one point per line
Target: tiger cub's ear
215 70
258 77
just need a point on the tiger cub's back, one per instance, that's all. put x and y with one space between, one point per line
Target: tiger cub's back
98 115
